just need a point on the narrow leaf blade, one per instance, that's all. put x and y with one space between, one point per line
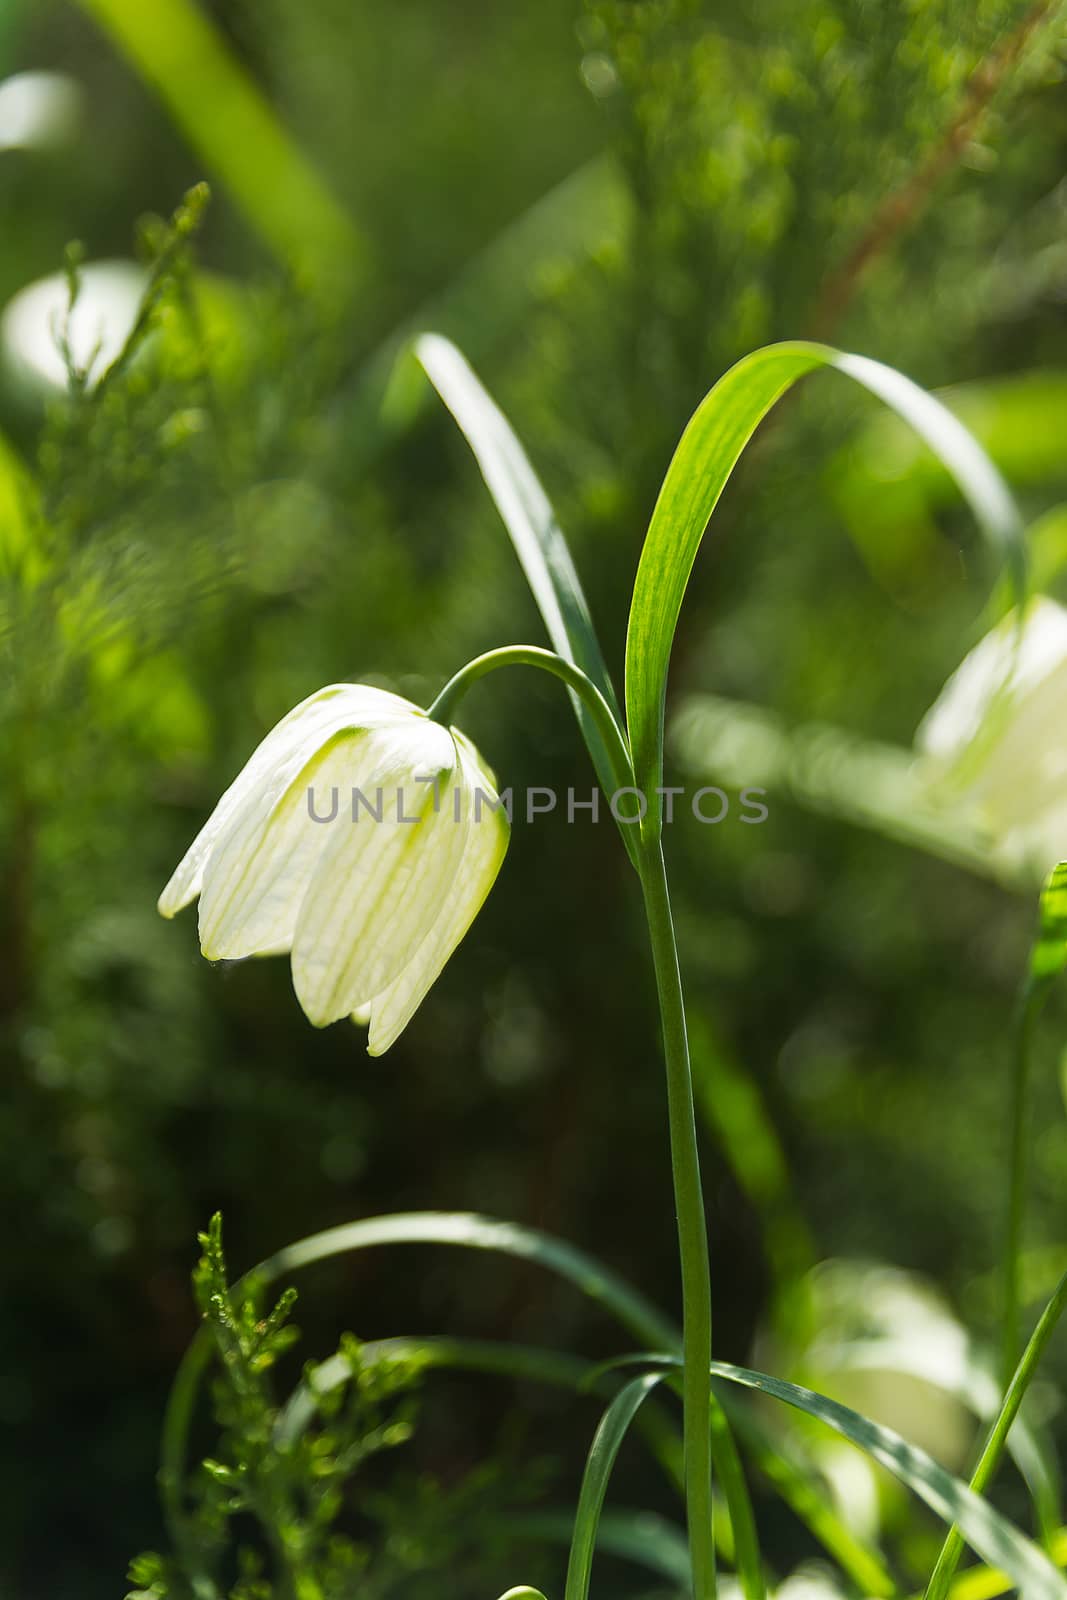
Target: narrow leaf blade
989 1534
602 1453
531 524
709 449
1049 955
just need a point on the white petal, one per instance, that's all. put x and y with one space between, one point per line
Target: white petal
1020 773
303 729
263 861
259 870
995 742
995 675
485 845
376 889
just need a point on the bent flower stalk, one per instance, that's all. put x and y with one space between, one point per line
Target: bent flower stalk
362 838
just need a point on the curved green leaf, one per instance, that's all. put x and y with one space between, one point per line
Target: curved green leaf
601 1459
18 508
626 1304
642 1537
1049 955
470 1231
972 1385
466 1231
531 523
990 1535
986 1583
1000 1433
803 1489
746 1551
560 1371
529 1363
797 1485
183 55
708 451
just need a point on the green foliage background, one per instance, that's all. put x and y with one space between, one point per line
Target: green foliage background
230 521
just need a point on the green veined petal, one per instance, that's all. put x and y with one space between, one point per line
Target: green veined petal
485 846
295 737
379 883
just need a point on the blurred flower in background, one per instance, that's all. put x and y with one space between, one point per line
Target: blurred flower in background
887 1343
995 742
38 109
45 333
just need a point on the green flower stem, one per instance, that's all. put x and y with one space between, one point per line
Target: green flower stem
1030 1002
692 1227
532 655
997 1437
647 855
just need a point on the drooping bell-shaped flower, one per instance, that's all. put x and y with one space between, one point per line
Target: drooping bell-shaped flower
362 837
995 740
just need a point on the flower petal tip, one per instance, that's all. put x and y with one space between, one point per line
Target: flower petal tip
173 900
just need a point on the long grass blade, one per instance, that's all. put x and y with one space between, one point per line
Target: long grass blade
560 1371
709 449
607 1441
986 1583
19 505
531 523
798 1488
466 1231
731 1475
999 1434
181 53
975 1387
993 1538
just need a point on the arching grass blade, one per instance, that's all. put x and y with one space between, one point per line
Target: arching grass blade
531 524
602 1453
709 449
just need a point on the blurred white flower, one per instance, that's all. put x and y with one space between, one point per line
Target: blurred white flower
361 837
995 741
97 327
886 1343
814 1580
38 109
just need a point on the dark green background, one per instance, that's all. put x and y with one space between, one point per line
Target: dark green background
291 539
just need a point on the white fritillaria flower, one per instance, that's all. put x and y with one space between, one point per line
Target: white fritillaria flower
362 837
996 738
